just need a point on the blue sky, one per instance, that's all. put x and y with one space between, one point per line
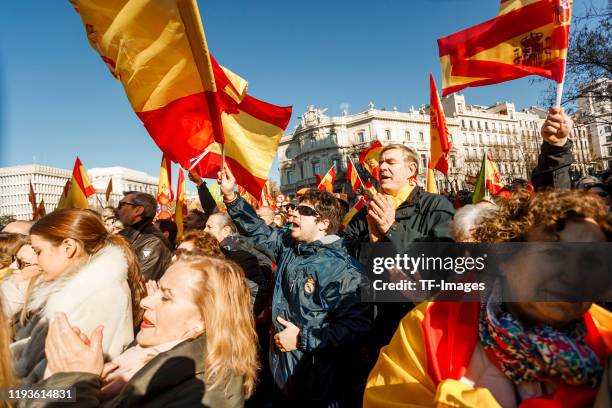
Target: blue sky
57 99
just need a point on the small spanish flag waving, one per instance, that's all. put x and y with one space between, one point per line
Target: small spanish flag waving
370 158
327 181
78 188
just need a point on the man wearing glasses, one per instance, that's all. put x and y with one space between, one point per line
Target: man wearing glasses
136 212
318 317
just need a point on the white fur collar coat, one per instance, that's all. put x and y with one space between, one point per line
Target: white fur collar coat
96 293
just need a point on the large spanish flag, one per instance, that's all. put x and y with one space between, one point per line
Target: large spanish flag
145 45
164 190
78 188
370 158
440 145
527 38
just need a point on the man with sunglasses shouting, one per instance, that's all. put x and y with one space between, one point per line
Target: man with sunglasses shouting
319 320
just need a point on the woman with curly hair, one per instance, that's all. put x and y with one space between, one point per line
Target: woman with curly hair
524 354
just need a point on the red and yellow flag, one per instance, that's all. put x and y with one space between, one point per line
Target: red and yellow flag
327 182
432 185
352 212
242 192
145 44
440 145
489 181
77 189
165 194
180 211
32 200
370 158
527 38
109 190
353 177
41 211
267 199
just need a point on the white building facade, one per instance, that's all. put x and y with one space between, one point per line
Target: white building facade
596 108
48 183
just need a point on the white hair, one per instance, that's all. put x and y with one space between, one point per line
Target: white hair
467 218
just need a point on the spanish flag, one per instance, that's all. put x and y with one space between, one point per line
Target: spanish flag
370 157
352 212
432 185
180 210
526 38
77 189
489 181
440 145
352 176
242 192
266 199
41 211
327 182
146 46
164 190
32 200
109 190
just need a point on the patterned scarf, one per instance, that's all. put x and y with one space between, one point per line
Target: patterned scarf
539 353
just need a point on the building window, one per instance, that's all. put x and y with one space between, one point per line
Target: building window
336 163
463 123
290 177
479 125
424 162
610 164
609 150
301 171
480 138
460 107
471 125
316 168
421 137
607 129
388 134
361 137
486 125
608 139
407 135
313 141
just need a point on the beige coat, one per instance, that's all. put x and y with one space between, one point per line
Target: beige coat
97 293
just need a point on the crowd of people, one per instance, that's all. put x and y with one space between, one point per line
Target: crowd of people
265 307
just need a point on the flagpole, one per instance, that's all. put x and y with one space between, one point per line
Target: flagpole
189 12
559 95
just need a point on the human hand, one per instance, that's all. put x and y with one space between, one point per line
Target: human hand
196 178
66 350
287 339
151 287
382 212
557 127
227 182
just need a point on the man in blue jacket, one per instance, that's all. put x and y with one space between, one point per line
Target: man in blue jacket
318 317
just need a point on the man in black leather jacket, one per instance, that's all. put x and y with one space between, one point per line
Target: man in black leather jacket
136 211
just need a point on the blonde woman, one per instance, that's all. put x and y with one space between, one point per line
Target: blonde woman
197 345
6 365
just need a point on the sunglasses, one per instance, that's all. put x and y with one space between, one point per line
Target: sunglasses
309 211
123 203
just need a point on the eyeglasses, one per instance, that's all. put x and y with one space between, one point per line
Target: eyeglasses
289 206
309 211
122 203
